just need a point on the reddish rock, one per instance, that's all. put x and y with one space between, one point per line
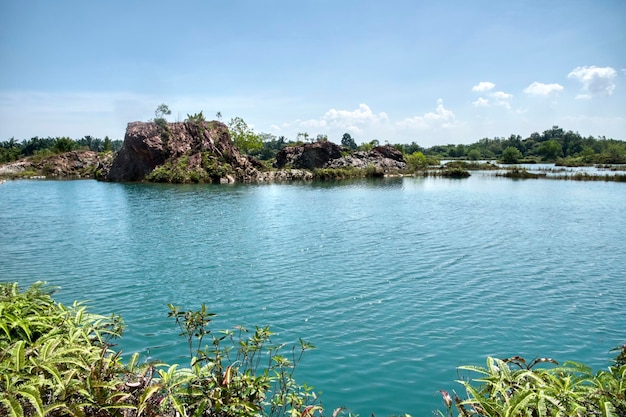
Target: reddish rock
148 145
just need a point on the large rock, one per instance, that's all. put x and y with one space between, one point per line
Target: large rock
74 164
307 156
383 158
148 145
329 155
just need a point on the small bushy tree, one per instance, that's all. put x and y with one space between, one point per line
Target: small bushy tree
511 155
243 136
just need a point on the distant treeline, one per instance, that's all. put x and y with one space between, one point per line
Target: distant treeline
11 150
553 145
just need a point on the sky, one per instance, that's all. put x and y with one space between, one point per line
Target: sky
399 71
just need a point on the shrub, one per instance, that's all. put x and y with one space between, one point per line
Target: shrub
511 155
512 387
57 361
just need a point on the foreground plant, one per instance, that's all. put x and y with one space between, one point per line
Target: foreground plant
512 387
58 361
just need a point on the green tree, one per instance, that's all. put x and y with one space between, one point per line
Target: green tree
107 144
243 136
416 161
550 150
161 111
302 137
511 155
473 155
348 141
64 144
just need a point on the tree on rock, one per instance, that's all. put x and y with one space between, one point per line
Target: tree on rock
243 136
161 111
348 141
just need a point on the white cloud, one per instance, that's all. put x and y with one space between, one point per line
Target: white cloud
501 95
502 99
483 86
356 121
440 118
594 80
499 98
541 89
481 102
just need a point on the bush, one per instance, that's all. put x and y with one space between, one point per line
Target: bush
511 155
57 361
512 387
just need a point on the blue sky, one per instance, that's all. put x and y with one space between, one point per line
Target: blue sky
433 72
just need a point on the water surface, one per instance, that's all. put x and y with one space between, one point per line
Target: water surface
396 281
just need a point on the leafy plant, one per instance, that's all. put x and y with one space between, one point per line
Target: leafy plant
512 387
238 373
56 360
197 119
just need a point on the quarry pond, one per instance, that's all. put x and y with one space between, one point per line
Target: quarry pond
396 281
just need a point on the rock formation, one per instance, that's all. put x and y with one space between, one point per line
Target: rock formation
328 155
383 158
206 147
307 156
74 164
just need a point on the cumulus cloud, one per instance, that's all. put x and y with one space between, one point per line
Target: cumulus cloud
356 121
498 98
483 86
541 89
440 118
502 99
595 80
481 102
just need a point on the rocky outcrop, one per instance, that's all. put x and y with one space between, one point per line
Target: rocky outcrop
383 158
307 156
201 147
328 155
74 164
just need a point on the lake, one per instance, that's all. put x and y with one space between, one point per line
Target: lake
396 281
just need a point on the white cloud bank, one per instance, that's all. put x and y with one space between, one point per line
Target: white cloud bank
595 80
541 89
365 125
357 121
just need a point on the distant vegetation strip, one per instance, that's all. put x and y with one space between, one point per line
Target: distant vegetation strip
565 148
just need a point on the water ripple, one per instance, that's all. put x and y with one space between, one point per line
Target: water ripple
396 282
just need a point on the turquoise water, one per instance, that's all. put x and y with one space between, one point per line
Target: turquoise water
396 281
